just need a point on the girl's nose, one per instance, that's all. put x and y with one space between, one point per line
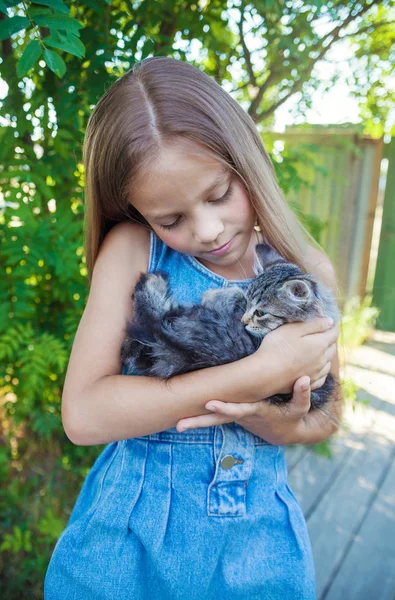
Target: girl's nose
208 230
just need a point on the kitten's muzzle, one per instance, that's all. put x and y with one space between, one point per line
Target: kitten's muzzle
258 331
246 318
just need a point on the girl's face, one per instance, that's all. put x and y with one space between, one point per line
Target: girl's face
194 205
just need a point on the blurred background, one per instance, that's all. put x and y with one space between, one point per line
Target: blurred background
318 80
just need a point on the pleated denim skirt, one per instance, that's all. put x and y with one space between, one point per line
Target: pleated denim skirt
204 514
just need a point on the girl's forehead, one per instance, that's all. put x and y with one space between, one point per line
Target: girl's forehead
178 162
188 175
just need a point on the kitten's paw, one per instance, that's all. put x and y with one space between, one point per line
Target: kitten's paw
157 285
152 294
210 296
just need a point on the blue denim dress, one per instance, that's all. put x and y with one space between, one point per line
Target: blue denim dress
200 515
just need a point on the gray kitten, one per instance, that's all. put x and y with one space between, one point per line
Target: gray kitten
166 339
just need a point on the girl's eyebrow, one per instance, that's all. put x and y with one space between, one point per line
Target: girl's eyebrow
219 179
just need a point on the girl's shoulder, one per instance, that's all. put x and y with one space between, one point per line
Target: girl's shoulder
123 255
128 235
125 247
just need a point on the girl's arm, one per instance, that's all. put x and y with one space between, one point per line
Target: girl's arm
118 407
314 426
291 424
99 405
296 425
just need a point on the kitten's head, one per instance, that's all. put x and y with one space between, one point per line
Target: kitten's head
283 293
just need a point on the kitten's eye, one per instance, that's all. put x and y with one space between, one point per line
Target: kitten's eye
259 313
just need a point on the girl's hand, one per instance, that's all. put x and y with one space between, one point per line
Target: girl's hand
278 425
302 349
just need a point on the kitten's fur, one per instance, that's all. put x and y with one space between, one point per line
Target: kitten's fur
167 339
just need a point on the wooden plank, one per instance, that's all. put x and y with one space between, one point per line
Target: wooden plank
335 211
346 231
359 219
333 523
371 212
315 474
383 288
368 570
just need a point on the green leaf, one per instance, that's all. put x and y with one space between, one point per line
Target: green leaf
56 4
59 22
95 6
72 45
30 56
37 11
50 525
10 26
55 62
3 7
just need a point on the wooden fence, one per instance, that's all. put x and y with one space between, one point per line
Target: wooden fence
342 191
384 281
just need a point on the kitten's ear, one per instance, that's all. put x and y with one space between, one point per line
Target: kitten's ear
297 289
268 256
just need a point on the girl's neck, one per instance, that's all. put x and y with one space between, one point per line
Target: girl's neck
244 269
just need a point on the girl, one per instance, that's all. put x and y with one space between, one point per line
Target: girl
177 180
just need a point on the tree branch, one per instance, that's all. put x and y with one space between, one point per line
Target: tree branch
364 29
335 35
247 54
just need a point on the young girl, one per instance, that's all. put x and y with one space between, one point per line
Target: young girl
184 503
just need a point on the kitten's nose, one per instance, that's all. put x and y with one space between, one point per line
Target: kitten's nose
245 319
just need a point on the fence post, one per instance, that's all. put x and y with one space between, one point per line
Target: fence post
384 286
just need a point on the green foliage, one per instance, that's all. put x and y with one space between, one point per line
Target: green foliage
292 174
292 38
358 322
57 63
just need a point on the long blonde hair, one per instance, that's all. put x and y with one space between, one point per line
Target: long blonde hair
160 101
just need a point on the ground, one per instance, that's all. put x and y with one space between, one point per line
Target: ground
349 500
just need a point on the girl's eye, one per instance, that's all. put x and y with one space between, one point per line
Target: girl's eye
171 224
227 195
223 198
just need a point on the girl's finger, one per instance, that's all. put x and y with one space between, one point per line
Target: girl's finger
332 334
331 351
237 410
322 375
301 394
202 421
319 383
225 412
317 325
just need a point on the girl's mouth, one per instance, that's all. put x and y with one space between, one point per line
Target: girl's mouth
222 249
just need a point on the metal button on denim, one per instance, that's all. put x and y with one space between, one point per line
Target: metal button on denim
228 461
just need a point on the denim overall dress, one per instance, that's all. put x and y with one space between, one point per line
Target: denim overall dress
200 515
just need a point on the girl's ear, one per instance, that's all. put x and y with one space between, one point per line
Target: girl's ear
268 256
